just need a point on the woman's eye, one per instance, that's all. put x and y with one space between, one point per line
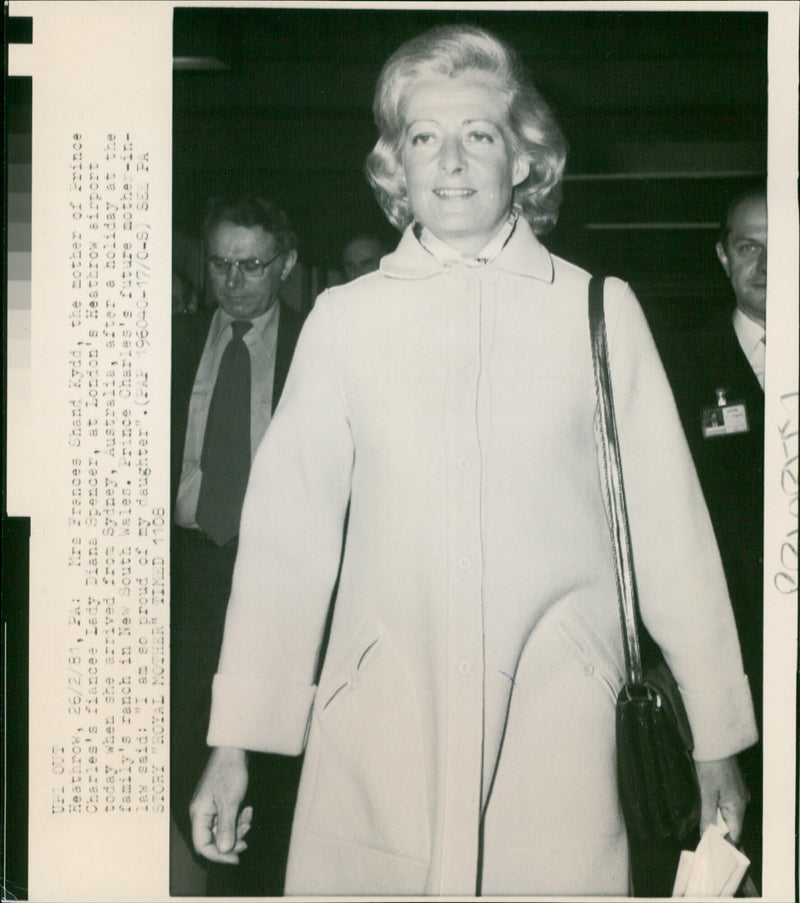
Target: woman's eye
421 138
481 137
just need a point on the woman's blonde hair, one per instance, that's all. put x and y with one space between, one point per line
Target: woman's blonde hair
530 127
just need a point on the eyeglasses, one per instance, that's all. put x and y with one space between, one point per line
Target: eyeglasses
252 266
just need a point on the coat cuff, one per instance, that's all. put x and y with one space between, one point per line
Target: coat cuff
261 715
722 719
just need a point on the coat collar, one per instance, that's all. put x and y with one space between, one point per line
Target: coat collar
523 255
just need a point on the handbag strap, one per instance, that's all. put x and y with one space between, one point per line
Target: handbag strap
615 490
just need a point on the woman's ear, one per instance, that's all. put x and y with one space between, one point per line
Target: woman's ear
520 170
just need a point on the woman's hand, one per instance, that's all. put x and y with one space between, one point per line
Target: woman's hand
722 787
218 827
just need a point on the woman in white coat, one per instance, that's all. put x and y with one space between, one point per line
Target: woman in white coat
461 737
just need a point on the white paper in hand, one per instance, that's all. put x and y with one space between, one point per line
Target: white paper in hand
716 867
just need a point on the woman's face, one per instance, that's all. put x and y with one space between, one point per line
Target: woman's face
460 170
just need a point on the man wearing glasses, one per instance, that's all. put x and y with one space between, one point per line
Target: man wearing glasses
227 375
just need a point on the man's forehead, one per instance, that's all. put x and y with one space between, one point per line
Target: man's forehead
749 216
233 234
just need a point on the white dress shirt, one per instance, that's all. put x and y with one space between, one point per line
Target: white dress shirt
752 337
261 342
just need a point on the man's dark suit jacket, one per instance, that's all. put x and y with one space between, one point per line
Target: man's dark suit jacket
189 333
200 580
731 472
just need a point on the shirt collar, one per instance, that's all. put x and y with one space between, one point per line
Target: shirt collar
749 333
514 249
261 324
449 256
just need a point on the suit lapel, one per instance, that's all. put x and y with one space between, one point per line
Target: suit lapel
189 335
740 365
288 331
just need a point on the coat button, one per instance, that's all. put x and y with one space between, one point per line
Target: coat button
463 563
464 666
463 463
588 669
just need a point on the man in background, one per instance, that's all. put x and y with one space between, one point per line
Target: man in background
362 255
717 376
229 367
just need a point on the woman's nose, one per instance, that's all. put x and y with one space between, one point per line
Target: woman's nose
451 157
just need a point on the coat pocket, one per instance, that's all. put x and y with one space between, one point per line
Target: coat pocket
366 735
593 665
350 681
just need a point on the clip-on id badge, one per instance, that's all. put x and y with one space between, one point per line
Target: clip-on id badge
725 418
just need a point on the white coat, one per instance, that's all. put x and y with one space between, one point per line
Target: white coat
464 719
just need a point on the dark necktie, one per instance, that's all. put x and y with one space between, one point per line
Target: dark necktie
225 461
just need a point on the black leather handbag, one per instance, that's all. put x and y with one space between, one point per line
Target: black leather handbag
657 780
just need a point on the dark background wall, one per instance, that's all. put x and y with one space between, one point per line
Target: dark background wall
665 114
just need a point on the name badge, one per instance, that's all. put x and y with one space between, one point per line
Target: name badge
725 418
